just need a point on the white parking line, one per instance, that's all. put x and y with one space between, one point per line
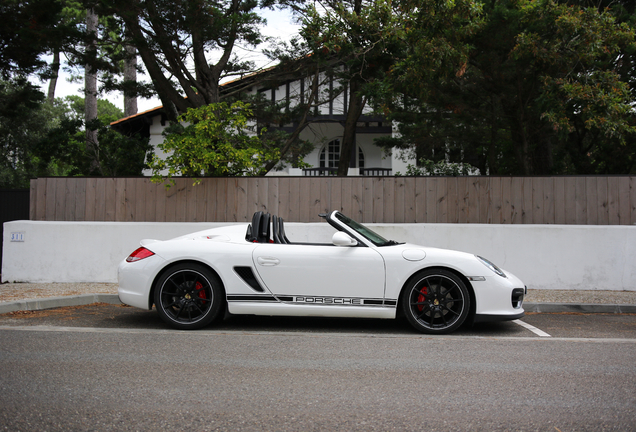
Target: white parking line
225 332
532 328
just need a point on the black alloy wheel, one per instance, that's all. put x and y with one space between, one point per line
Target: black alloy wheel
436 302
188 296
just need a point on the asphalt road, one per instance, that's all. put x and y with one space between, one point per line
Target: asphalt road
118 368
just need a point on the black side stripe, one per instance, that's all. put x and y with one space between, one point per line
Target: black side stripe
328 301
254 298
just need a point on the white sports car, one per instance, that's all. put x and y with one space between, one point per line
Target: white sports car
254 269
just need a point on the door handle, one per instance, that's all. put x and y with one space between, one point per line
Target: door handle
268 261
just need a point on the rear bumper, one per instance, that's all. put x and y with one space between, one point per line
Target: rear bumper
135 281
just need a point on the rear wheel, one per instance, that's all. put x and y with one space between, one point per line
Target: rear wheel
188 296
436 301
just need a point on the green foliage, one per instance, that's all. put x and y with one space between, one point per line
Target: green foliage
528 87
213 140
173 40
28 30
427 167
187 48
351 42
434 40
272 117
37 138
523 87
431 43
582 97
41 139
116 155
121 155
22 125
106 110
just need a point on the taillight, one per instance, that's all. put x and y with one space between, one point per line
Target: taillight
139 254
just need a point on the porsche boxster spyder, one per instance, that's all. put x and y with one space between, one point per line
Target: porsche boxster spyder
256 269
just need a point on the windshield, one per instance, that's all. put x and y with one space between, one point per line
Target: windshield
372 236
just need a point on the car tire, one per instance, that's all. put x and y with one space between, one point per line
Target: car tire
436 301
188 296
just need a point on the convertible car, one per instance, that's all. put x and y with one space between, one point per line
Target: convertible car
255 269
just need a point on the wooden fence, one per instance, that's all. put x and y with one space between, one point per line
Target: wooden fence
599 200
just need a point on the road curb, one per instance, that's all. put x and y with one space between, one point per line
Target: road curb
85 299
578 307
55 302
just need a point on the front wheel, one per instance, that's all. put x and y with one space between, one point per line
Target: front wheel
188 296
436 301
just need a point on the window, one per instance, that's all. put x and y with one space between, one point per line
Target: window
330 155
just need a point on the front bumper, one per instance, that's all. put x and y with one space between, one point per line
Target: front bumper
499 299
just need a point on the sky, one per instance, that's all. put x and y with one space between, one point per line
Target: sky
279 25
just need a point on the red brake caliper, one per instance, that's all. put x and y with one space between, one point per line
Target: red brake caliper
421 298
199 287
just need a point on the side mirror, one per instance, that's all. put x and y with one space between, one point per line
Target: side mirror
343 239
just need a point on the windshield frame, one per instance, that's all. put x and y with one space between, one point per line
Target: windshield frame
368 234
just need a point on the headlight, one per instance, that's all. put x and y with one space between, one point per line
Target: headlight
491 266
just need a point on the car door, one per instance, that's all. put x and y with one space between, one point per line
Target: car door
321 272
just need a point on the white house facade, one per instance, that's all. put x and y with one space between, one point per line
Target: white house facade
325 131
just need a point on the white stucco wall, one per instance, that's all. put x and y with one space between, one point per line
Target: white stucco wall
320 134
543 256
156 138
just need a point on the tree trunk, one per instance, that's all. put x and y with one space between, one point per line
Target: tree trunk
90 92
492 146
130 74
55 68
356 105
348 145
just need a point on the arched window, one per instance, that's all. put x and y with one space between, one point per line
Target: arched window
330 155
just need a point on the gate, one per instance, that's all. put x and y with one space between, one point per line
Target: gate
14 205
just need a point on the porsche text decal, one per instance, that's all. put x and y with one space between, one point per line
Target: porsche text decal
329 300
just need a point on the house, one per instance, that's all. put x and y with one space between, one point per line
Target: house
324 132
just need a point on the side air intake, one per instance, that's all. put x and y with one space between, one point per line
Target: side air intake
247 275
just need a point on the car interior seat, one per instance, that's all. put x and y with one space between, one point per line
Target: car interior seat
281 231
266 228
276 229
254 228
263 234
